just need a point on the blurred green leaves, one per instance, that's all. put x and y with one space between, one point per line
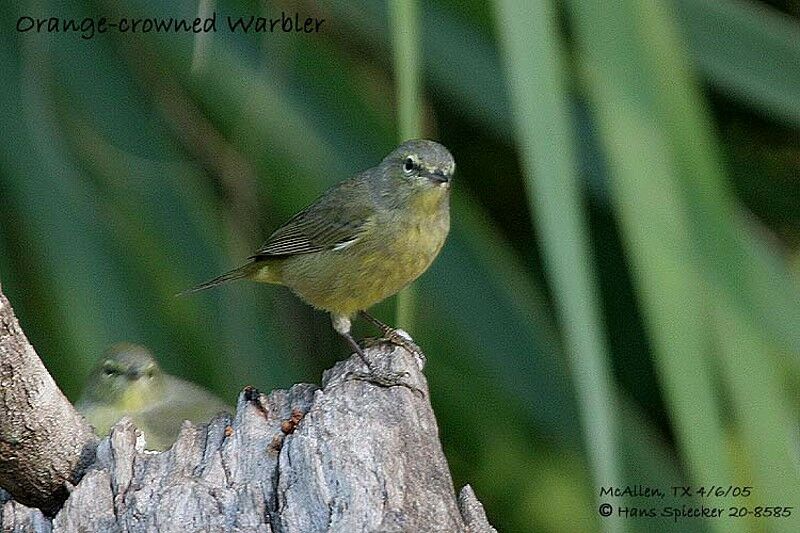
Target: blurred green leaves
747 50
688 244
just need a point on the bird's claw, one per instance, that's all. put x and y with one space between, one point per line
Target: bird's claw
395 338
385 378
398 339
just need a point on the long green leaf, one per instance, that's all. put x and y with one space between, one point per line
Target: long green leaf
536 70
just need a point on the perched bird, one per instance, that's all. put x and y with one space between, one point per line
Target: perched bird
361 241
128 381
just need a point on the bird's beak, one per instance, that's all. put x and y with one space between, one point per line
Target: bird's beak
437 176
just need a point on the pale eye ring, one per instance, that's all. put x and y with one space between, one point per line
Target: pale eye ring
409 165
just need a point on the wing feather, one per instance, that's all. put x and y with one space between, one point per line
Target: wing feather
325 224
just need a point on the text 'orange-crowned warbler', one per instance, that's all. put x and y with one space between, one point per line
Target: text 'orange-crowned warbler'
127 381
363 240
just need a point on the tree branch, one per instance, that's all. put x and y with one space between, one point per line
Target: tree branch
44 443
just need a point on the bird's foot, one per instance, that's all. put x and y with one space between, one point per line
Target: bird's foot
396 337
378 376
385 378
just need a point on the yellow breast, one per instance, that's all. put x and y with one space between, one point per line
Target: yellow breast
394 252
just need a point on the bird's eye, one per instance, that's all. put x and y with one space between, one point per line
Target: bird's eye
409 166
109 369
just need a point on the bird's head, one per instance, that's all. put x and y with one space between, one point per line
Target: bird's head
126 376
418 167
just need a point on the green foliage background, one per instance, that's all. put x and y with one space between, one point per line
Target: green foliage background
617 302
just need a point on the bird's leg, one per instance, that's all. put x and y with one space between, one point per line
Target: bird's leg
355 347
375 375
391 335
386 329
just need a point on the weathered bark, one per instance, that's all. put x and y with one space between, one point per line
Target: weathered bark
44 443
349 457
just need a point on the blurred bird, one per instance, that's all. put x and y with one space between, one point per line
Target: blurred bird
128 381
362 241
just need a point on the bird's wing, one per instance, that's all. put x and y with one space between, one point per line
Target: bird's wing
324 225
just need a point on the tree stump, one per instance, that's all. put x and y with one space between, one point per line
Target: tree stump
350 456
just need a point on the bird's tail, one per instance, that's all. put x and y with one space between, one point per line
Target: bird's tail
237 273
